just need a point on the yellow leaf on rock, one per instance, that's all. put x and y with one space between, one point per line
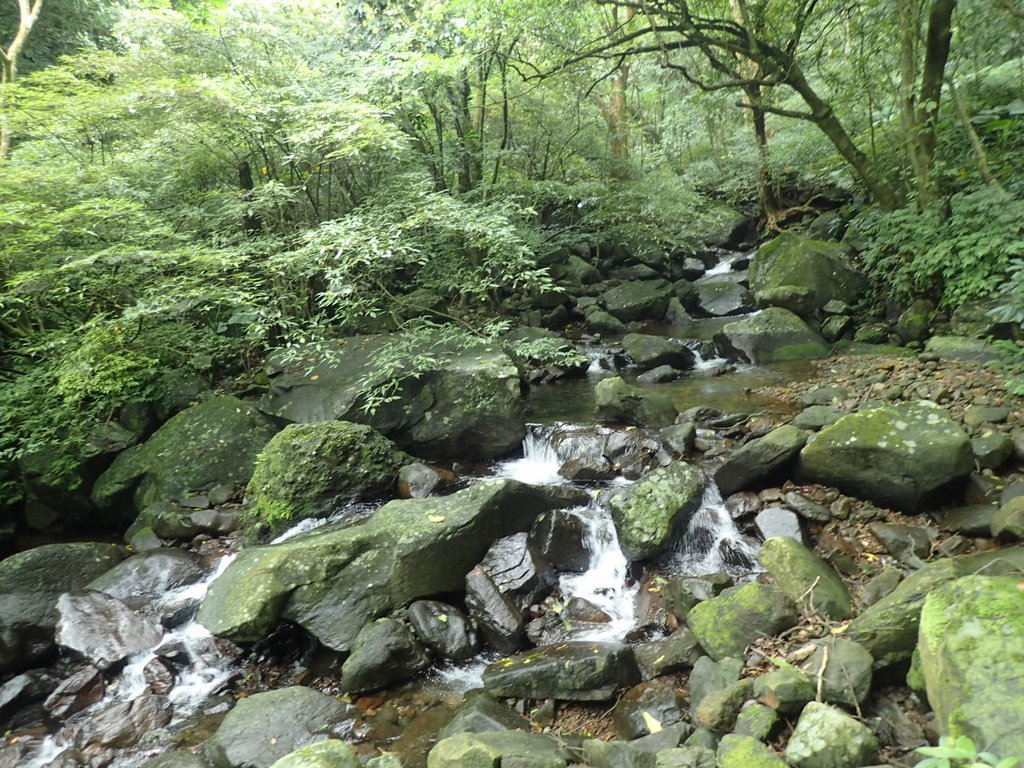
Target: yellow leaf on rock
653 725
436 518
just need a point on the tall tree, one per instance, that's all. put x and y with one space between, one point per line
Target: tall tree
28 14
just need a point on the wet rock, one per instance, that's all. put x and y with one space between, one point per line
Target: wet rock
746 752
744 504
679 437
167 520
617 401
638 300
826 737
653 351
25 689
148 576
102 630
482 713
444 629
333 753
897 456
475 387
727 624
306 470
650 512
590 469
333 583
816 417
778 522
122 723
213 443
512 576
560 535
659 375
265 727
845 671
972 655
30 583
760 460
818 267
82 689
772 335
512 749
576 671
785 689
722 298
992 449
417 481
907 543
1008 521
159 676
674 653
383 653
647 707
803 578
580 611
718 710
756 720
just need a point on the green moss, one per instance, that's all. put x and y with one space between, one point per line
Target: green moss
727 624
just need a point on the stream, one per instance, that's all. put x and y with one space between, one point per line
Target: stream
562 428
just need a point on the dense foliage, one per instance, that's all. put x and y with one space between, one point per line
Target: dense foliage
192 185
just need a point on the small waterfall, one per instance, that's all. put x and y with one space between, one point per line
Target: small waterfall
605 583
712 543
206 669
547 447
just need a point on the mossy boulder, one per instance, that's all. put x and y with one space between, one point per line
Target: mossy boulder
638 300
617 401
308 470
333 583
761 460
719 299
971 648
333 753
818 268
466 403
735 751
30 583
963 349
727 624
773 335
652 351
827 737
897 456
652 510
511 749
213 443
574 671
802 576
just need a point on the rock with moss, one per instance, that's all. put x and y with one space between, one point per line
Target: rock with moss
727 624
772 335
333 583
511 749
652 510
826 737
971 648
573 671
465 402
844 668
803 577
720 299
637 300
897 456
736 751
617 401
819 268
1008 521
210 444
761 460
30 583
307 470
652 351
384 652
333 753
785 689
962 349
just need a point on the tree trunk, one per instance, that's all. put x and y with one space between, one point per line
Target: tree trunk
28 12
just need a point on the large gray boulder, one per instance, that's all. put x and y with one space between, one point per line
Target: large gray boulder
147 576
773 335
466 403
760 460
818 270
30 583
720 299
511 749
803 577
638 300
574 671
653 351
615 400
971 646
213 443
384 652
333 753
652 510
335 582
265 727
826 737
308 470
727 624
897 456
102 629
